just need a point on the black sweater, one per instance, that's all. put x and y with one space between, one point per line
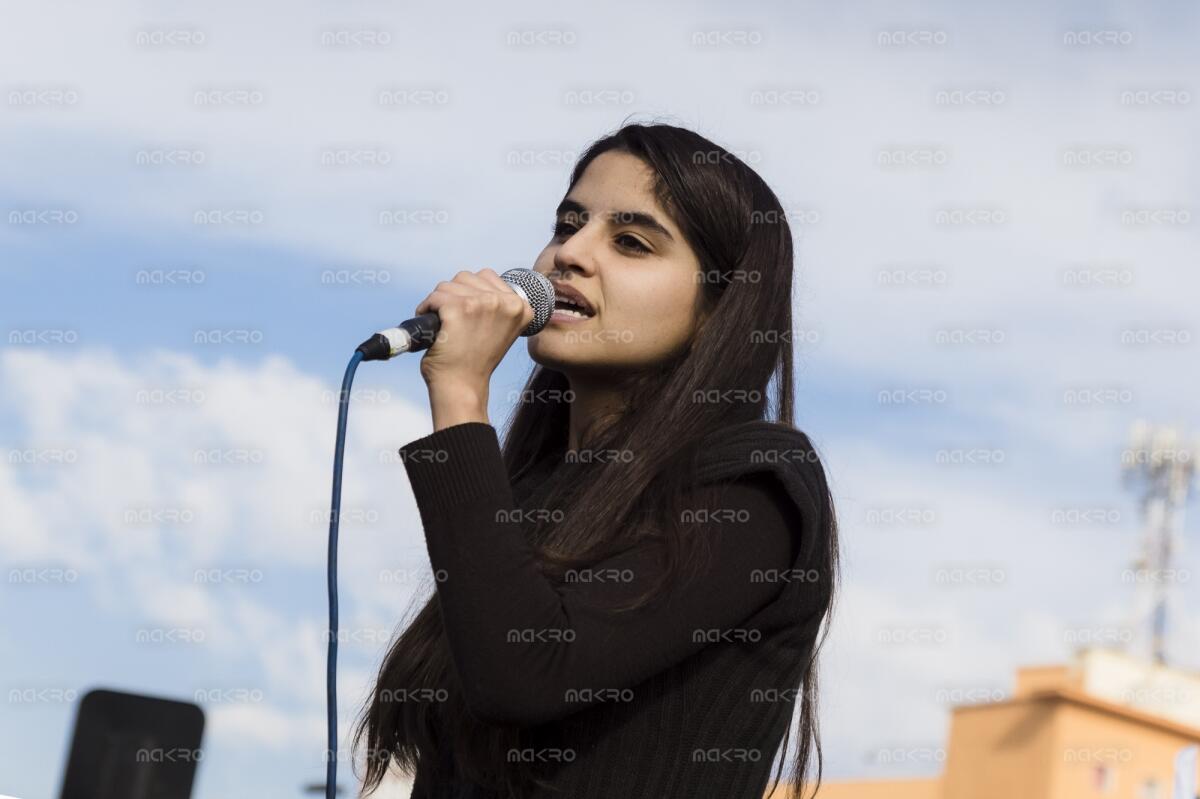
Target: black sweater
684 698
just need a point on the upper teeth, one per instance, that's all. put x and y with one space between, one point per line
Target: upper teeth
570 301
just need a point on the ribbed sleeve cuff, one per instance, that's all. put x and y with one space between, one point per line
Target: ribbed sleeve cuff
455 465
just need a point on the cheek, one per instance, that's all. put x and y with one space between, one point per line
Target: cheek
660 308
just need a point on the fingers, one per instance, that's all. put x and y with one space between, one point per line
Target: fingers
464 284
443 290
492 278
504 289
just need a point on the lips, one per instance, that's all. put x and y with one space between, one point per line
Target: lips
571 296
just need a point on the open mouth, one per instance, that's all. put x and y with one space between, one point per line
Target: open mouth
570 308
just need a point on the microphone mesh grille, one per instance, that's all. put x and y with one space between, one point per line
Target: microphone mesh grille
538 290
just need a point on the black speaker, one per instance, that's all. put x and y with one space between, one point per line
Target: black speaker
129 746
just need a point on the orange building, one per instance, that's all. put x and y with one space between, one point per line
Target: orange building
1106 726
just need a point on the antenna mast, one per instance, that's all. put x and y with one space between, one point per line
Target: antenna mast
1159 466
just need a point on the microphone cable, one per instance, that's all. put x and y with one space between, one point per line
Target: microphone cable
331 565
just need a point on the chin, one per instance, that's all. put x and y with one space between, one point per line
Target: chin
563 357
544 355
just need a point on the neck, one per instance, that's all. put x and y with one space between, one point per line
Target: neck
593 398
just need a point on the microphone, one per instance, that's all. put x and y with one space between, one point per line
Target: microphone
419 333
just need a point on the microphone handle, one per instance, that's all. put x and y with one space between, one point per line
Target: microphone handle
411 335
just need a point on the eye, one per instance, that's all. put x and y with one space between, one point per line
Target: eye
561 228
636 244
626 241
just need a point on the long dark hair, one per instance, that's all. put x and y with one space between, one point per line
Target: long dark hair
739 232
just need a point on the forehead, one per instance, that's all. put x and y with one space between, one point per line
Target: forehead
618 181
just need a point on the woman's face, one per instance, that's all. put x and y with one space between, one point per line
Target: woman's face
616 245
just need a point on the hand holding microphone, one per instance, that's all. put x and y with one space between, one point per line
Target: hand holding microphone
468 324
420 332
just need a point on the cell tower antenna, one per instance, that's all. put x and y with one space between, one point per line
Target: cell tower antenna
1159 465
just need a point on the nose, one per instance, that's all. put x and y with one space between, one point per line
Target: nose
576 254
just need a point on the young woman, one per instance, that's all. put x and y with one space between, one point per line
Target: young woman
629 590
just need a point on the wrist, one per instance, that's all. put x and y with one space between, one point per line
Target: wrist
454 403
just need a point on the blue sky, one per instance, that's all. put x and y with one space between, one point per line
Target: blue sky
261 659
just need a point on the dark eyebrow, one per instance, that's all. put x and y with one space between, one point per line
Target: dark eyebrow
635 218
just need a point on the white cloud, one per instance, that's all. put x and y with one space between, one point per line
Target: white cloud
222 458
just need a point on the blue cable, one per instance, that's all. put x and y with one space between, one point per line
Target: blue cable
334 514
